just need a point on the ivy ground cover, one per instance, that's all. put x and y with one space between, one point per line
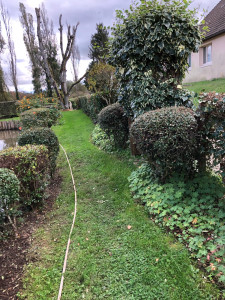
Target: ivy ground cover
194 210
116 251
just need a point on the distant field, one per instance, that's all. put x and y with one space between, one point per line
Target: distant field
215 85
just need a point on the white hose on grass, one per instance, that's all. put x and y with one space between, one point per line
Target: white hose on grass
71 230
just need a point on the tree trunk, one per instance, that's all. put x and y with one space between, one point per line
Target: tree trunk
133 147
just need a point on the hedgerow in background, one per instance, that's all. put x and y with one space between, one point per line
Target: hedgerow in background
9 198
194 210
42 136
168 139
91 105
39 117
150 51
210 114
100 139
114 122
101 79
31 165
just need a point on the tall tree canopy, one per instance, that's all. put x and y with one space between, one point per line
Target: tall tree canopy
98 50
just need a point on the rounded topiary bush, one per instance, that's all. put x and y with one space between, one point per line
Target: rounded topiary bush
9 194
39 117
42 136
168 138
113 121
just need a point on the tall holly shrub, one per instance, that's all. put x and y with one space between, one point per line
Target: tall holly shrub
150 50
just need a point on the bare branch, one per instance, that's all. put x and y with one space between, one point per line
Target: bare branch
75 83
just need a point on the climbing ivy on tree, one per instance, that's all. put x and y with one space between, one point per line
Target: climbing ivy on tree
150 50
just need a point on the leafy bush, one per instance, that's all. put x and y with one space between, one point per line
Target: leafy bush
113 121
101 79
9 195
8 109
210 114
150 51
36 101
39 117
31 165
102 140
168 138
42 136
92 105
75 102
193 210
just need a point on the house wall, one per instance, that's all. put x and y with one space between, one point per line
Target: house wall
214 69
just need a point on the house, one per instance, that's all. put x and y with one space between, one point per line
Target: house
209 62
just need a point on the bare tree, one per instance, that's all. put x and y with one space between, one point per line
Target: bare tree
71 35
11 48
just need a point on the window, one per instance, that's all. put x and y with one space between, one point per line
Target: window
207 54
189 61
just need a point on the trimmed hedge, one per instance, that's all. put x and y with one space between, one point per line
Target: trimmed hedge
9 194
8 109
39 117
42 136
113 121
168 138
91 105
31 165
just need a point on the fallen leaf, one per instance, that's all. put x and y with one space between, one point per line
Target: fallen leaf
157 259
195 221
129 227
87 239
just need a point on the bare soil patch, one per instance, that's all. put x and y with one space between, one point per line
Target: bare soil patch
13 252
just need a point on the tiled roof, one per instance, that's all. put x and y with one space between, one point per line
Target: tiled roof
215 20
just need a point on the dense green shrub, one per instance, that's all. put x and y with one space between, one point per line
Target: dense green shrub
210 114
39 117
194 210
150 51
75 102
9 195
92 105
113 121
31 165
168 138
102 140
42 136
8 109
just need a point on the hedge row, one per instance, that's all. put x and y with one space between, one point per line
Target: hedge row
8 109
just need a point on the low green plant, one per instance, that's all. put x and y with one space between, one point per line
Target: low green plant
31 165
113 121
39 117
9 197
168 138
102 140
42 136
194 210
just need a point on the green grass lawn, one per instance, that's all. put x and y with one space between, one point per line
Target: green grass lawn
106 260
215 85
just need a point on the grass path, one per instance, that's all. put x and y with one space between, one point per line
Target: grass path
107 260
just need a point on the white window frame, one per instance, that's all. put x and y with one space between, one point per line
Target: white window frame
207 55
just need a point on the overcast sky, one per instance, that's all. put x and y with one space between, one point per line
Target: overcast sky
87 12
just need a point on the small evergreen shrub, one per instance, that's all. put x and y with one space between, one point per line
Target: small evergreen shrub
42 136
102 140
113 121
167 137
31 165
39 117
9 194
193 209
